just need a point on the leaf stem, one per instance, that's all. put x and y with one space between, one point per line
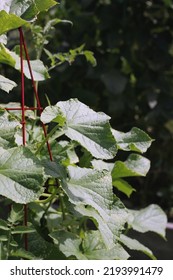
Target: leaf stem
50 197
47 138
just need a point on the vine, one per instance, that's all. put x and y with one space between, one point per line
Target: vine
72 210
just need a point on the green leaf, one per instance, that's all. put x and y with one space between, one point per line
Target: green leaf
16 213
151 218
101 165
51 23
43 249
9 22
64 152
54 114
95 249
135 165
21 175
90 129
6 84
59 58
68 243
123 186
90 248
21 253
39 71
91 193
4 225
26 9
6 57
89 187
3 238
120 184
90 57
134 140
133 244
54 169
13 243
22 230
12 59
8 127
29 9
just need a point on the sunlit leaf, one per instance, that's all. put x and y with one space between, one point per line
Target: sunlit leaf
6 84
134 140
26 9
82 124
16 213
9 22
135 165
133 244
151 218
11 58
123 186
68 243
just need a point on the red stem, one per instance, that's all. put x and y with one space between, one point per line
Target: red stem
36 93
18 109
23 123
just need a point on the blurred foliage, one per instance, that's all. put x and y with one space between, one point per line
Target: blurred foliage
133 81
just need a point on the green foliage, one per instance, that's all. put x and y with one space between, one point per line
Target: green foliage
73 211
9 22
